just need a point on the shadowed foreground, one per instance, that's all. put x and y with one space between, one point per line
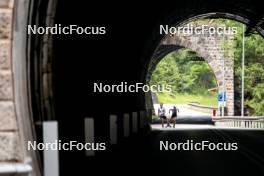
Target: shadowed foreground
141 155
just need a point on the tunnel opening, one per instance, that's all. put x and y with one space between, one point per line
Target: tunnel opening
193 88
227 72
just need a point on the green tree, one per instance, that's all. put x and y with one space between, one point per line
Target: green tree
185 71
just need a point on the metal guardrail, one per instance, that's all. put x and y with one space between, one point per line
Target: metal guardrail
240 122
202 106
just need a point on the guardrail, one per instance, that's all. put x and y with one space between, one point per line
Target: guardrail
202 106
240 122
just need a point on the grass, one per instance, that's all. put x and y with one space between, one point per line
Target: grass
203 99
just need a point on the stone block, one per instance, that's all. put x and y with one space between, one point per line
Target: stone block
6 89
11 3
5 24
7 116
9 147
5 55
4 3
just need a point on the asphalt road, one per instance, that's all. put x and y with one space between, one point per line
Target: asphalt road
141 155
184 111
186 115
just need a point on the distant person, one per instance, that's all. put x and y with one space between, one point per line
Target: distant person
161 114
174 115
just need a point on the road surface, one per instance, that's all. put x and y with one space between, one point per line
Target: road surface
184 111
186 115
141 155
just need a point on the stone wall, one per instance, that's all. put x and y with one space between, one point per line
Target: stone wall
9 136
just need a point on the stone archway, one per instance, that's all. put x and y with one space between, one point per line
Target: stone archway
210 47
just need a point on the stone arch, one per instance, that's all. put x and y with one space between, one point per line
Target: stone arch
208 47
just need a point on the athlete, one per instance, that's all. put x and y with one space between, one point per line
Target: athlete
161 114
174 115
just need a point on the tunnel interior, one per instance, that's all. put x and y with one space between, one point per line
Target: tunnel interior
124 54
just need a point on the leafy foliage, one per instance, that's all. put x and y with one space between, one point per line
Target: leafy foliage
185 71
254 71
